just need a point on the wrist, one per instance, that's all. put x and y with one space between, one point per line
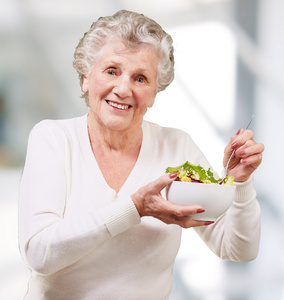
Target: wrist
137 204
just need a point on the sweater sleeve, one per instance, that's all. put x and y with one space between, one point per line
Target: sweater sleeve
48 240
235 235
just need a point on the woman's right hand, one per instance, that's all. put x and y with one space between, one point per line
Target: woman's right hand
149 202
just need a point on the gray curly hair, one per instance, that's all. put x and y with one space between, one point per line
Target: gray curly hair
134 30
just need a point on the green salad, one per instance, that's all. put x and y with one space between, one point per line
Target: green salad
192 173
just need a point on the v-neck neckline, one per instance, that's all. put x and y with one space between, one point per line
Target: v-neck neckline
143 159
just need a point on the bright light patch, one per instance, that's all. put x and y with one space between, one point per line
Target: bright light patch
206 66
201 98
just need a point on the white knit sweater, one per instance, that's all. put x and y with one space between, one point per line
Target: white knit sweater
83 241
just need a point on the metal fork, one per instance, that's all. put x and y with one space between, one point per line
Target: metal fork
227 166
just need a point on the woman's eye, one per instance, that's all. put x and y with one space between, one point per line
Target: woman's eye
141 79
111 72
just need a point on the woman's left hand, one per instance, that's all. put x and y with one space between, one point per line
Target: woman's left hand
247 156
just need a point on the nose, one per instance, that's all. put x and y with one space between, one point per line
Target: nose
122 87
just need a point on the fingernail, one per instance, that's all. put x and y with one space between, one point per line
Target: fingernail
200 210
208 222
234 144
173 175
242 153
239 132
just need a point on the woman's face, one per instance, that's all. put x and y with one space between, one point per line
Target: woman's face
121 86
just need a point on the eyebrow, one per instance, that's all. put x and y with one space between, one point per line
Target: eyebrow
116 63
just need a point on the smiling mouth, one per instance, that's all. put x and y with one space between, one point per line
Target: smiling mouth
117 105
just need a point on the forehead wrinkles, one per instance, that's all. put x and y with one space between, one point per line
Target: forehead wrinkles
142 56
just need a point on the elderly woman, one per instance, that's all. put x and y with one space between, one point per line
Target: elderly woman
93 218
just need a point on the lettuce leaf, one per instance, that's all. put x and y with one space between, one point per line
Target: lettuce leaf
196 173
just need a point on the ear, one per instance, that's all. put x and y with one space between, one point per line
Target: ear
85 85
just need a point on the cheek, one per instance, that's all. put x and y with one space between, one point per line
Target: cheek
145 101
151 99
98 88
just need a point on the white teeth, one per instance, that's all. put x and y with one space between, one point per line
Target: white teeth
120 106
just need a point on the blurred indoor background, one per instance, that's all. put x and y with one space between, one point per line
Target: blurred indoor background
229 66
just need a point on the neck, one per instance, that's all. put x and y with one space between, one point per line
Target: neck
113 140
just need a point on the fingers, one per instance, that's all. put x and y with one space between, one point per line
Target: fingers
169 208
185 222
158 207
241 138
232 146
149 202
146 198
247 156
250 152
159 184
175 214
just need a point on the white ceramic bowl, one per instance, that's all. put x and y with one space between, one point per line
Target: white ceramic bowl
214 198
